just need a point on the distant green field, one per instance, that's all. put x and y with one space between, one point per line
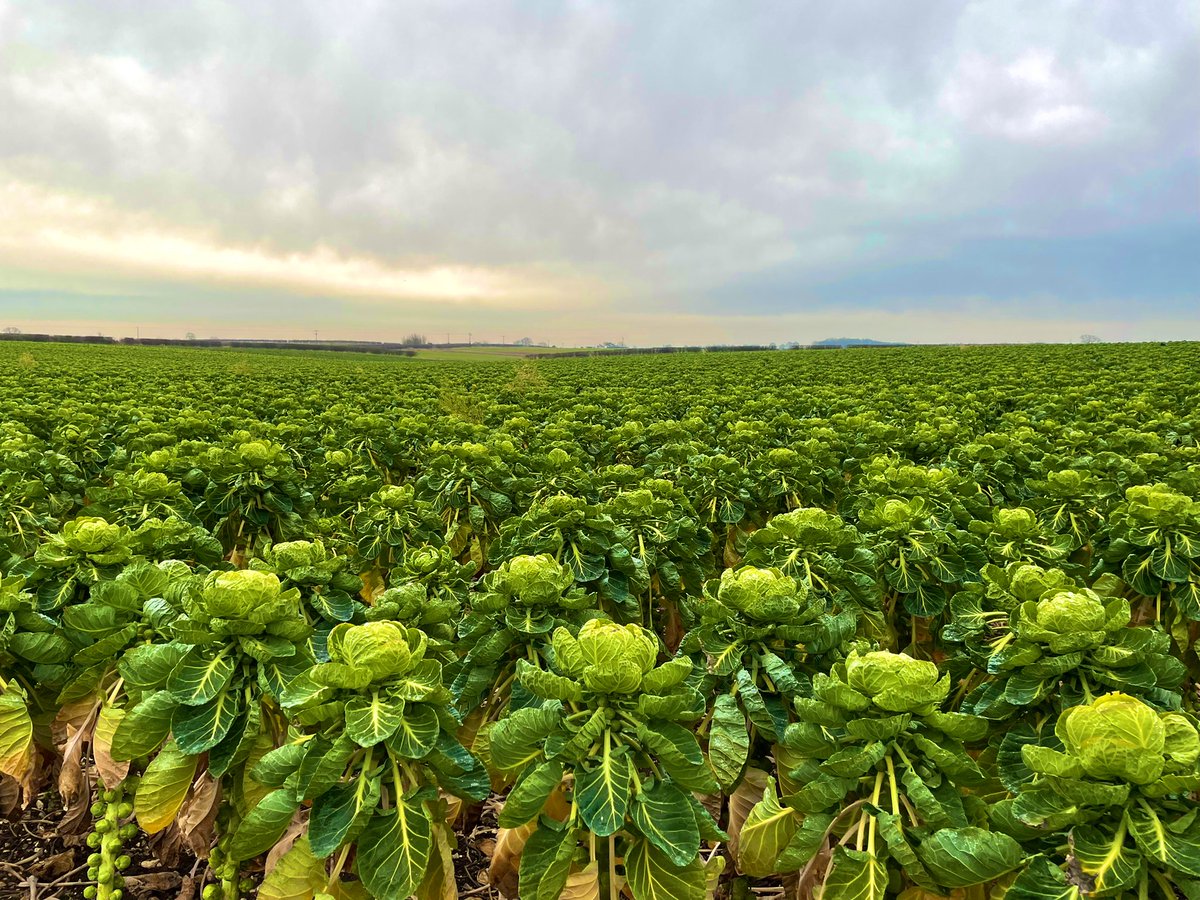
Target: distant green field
484 352
920 622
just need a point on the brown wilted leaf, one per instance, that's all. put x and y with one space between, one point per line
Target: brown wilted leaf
71 718
167 846
741 801
294 831
504 872
584 884
75 726
198 814
373 585
154 884
10 797
53 866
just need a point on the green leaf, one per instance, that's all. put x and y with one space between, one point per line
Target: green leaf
273 769
417 733
529 795
1157 841
665 818
48 649
236 746
821 793
419 683
808 840
765 833
855 875
854 762
961 857
728 741
200 728
603 791
16 735
393 850
201 675
1041 880
163 788
144 727
1107 858
323 765
546 861
518 738
336 812
263 825
667 676
927 805
891 829
373 718
150 665
547 685
652 875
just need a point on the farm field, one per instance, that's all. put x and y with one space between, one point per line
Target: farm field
912 622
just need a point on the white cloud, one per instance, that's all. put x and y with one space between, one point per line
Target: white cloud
581 152
56 231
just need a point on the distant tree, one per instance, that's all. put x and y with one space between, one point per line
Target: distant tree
191 336
414 340
11 330
525 342
1090 339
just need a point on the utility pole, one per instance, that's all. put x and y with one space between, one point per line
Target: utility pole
314 335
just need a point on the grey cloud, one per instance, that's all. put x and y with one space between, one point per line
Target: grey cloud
661 148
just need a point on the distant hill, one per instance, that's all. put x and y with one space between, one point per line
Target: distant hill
854 342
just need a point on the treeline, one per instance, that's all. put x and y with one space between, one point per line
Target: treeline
395 349
711 348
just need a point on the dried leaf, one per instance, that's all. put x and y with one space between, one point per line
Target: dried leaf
584 884
504 872
293 833
54 866
748 792
10 796
75 726
154 884
199 813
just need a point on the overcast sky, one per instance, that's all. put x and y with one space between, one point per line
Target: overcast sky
579 172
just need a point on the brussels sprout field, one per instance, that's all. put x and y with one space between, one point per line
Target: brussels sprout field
915 622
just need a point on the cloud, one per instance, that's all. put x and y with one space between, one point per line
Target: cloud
580 158
60 232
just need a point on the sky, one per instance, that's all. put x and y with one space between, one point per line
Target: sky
579 172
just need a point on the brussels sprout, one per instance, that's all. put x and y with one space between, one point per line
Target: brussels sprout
296 554
532 580
248 595
1071 610
615 657
91 534
1029 582
895 681
381 647
766 595
1116 736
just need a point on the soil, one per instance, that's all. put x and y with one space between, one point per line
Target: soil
37 864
